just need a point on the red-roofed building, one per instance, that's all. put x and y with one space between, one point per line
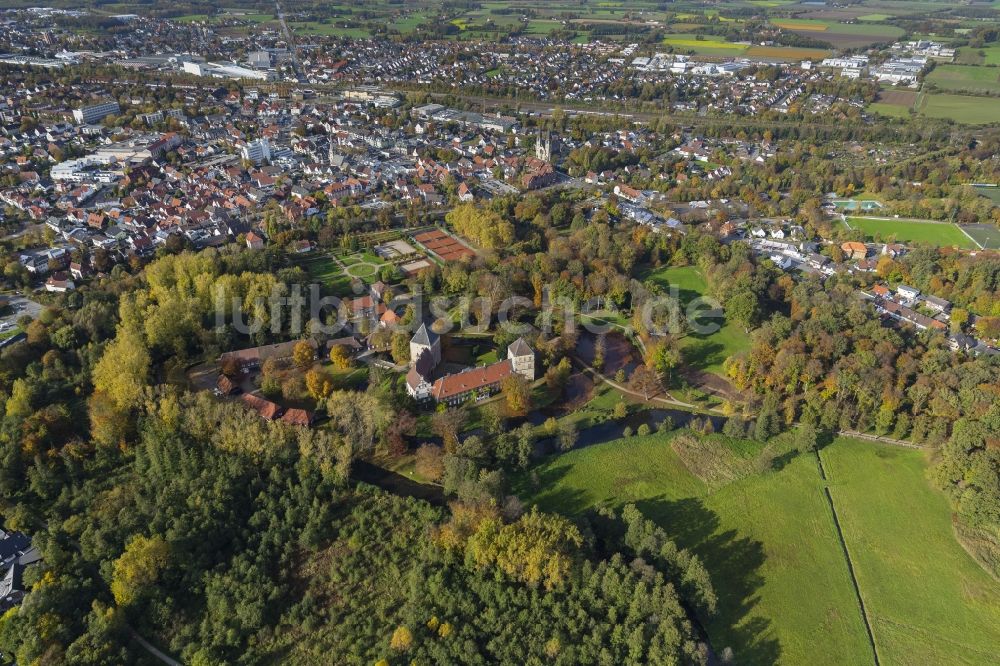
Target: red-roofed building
298 417
266 409
481 382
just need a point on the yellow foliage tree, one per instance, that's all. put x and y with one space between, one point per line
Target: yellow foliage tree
318 383
340 357
537 549
303 354
402 639
123 371
517 393
138 567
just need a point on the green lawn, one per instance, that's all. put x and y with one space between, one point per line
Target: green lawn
931 602
769 542
703 352
322 269
941 234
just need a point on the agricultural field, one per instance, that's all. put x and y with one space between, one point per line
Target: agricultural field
840 35
987 55
940 234
307 28
767 534
703 44
967 78
960 108
898 530
786 53
702 352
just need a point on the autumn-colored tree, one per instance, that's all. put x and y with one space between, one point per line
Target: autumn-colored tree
537 549
138 568
482 226
429 462
447 424
465 521
619 411
517 394
230 367
402 639
400 347
341 357
318 383
123 371
395 435
644 381
360 417
303 354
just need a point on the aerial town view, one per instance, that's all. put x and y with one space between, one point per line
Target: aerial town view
570 332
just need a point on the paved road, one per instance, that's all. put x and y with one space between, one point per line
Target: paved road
151 649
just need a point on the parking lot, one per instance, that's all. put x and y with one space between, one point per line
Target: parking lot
19 306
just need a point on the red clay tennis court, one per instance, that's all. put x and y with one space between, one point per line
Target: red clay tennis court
443 245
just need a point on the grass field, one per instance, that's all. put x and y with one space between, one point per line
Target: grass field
966 77
323 270
708 45
898 531
363 265
703 352
961 108
893 110
770 543
987 55
941 234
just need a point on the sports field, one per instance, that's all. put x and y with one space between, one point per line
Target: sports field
769 540
940 234
987 235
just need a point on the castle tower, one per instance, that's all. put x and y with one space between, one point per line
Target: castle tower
522 359
425 340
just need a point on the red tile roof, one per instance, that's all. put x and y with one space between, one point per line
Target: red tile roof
299 417
471 380
265 408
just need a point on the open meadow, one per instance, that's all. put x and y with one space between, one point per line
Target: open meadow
968 78
703 352
767 534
